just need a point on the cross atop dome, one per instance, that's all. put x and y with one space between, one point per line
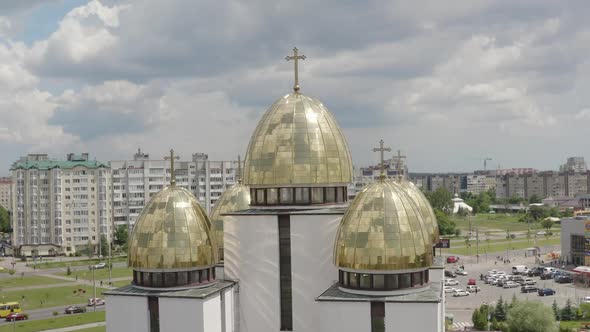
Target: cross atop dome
172 175
381 149
295 57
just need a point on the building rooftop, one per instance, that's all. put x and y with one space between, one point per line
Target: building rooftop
430 295
193 293
333 209
50 164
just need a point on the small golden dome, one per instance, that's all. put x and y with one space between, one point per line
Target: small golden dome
172 232
383 229
425 208
297 142
233 199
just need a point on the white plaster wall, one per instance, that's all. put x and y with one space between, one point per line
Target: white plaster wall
345 317
178 313
436 275
212 314
312 267
229 309
127 313
413 317
251 253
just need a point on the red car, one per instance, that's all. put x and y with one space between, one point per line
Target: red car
471 282
452 259
16 316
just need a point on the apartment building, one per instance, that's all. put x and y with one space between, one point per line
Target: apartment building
478 183
6 193
60 206
543 184
135 181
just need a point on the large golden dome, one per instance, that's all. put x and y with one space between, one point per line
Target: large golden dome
296 143
383 230
425 208
172 232
236 198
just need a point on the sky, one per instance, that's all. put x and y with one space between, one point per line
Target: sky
446 82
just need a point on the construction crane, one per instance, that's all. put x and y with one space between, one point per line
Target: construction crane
485 162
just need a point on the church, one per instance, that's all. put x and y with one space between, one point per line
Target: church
284 249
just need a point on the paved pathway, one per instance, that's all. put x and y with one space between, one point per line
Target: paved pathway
84 281
76 327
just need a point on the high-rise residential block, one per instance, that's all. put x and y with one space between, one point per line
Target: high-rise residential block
6 193
60 206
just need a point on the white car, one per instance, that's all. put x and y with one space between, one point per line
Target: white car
449 289
510 284
460 292
586 299
98 300
460 272
494 282
529 281
100 266
541 233
500 273
451 282
473 288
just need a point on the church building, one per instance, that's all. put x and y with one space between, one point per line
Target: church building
295 254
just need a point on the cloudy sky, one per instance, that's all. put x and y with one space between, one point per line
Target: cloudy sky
447 82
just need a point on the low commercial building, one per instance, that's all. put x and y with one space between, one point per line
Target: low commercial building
575 232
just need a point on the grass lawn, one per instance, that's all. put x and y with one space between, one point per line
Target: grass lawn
28 281
495 222
64 263
57 322
500 247
100 274
50 297
93 329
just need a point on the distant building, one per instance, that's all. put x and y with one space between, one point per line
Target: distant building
60 206
477 184
574 164
6 193
543 184
136 181
365 175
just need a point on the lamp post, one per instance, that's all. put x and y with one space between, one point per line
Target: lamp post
91 267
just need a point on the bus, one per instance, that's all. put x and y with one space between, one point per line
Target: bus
8 308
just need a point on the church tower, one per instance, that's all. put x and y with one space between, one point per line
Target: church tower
298 167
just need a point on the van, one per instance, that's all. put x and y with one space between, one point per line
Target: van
548 270
519 269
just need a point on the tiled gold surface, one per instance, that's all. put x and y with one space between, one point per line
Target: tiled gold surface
383 229
172 232
297 142
427 212
233 199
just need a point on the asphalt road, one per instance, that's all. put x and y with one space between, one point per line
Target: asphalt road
48 312
462 307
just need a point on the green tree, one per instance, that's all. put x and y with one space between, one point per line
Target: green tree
104 246
445 225
480 317
568 313
585 308
440 199
529 316
514 301
500 310
121 235
567 213
4 220
555 310
547 224
534 199
537 212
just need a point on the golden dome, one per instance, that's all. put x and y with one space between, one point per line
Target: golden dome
233 199
172 232
383 229
425 208
297 142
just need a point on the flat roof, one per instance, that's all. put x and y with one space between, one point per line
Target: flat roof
433 294
192 293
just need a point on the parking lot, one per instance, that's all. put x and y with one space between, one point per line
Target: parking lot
462 307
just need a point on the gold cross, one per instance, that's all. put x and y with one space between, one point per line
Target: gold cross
382 149
172 175
398 164
295 57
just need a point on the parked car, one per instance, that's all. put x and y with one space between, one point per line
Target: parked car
564 279
451 282
473 289
510 284
98 300
452 259
74 309
100 265
461 272
519 269
460 292
545 291
529 281
16 316
449 289
450 274
500 282
586 299
546 275
471 282
541 233
528 289
535 271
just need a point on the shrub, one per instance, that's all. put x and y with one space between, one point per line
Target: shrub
68 271
11 271
55 313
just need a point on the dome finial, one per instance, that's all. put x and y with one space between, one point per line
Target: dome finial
382 165
172 175
295 57
398 165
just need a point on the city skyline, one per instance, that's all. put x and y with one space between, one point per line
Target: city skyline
447 84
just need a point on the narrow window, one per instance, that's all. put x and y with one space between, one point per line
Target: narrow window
377 317
317 195
286 293
330 195
272 197
154 310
